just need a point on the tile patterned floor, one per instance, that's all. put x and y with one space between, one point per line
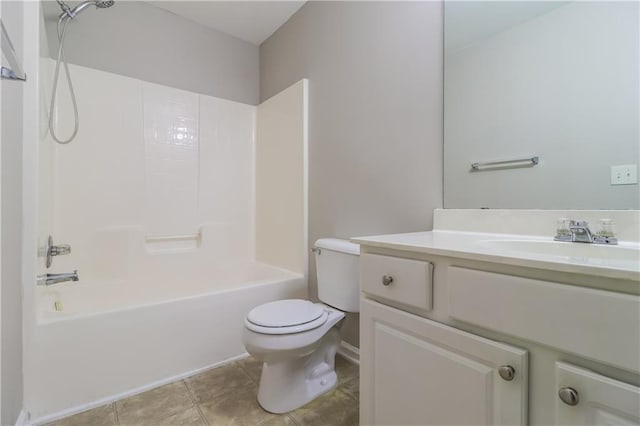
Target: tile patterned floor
225 396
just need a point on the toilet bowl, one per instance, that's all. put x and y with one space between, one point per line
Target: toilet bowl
296 339
298 366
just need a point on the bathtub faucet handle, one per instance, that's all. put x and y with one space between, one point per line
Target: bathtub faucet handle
53 250
60 250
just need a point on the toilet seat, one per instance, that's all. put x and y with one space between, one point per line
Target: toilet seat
286 316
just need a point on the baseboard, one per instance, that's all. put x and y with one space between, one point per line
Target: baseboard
350 352
23 418
112 398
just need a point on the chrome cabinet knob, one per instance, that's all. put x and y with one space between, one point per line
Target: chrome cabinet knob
569 396
387 280
507 372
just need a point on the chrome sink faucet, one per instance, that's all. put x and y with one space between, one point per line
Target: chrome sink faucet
577 231
580 232
49 279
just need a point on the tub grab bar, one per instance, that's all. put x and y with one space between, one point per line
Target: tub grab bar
156 238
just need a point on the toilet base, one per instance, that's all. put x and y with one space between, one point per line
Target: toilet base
287 385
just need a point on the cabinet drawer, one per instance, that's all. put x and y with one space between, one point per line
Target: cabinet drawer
586 398
597 324
400 280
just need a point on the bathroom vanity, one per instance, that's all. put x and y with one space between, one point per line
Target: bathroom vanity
463 327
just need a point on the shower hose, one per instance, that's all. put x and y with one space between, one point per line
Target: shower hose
63 24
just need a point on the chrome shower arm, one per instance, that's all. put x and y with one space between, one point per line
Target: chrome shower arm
66 10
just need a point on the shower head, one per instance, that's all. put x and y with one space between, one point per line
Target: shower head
72 13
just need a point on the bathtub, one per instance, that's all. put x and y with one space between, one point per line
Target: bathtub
98 341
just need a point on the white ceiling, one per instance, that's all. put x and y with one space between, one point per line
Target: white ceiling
252 21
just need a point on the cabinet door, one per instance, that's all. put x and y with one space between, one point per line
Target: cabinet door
415 371
599 400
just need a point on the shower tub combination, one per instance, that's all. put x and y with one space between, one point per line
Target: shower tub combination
164 247
100 341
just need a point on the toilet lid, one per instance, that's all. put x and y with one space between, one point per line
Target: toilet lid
292 329
285 313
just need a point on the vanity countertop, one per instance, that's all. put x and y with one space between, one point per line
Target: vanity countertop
620 261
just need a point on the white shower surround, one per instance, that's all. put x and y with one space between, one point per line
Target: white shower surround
151 161
156 197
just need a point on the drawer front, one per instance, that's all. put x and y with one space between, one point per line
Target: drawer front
585 398
597 324
400 280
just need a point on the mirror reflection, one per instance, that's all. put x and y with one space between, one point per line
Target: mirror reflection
552 80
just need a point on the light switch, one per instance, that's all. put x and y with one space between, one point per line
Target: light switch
624 175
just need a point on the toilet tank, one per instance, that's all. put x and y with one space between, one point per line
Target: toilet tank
338 273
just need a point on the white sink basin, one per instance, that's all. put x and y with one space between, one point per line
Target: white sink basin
557 248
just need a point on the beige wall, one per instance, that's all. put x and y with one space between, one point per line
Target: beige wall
281 179
375 114
11 227
139 40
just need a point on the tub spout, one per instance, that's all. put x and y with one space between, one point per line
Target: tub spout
49 279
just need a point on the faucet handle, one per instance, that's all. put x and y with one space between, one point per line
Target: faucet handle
60 250
607 233
563 229
53 250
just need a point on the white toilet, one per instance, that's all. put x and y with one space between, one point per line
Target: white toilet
296 339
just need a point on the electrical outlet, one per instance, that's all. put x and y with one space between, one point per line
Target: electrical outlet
624 175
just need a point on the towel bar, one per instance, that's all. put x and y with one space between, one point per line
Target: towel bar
505 163
15 71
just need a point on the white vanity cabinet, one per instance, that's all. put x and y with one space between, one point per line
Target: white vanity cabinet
447 341
415 371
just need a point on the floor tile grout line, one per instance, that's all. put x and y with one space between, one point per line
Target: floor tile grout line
290 417
241 367
192 397
212 398
287 415
202 416
342 385
350 379
340 391
349 395
247 374
174 410
115 413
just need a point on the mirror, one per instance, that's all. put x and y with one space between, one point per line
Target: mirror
552 80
